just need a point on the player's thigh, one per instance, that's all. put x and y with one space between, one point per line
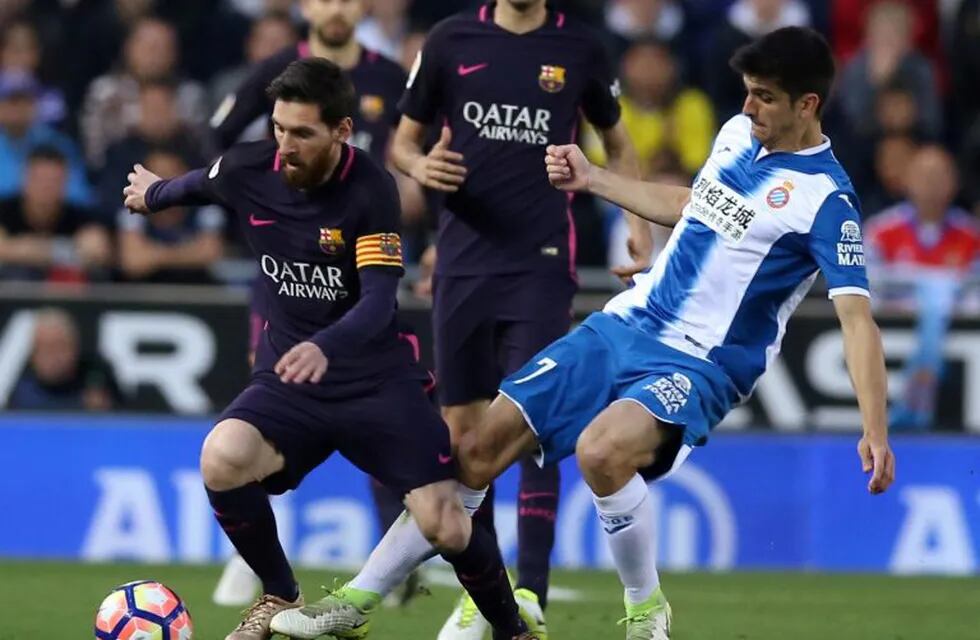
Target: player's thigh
502 438
535 311
464 418
300 428
561 389
463 331
623 438
395 435
235 453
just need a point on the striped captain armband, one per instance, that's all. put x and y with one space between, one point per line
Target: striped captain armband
379 250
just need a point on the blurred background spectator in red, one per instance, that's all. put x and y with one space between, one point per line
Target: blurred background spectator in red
921 250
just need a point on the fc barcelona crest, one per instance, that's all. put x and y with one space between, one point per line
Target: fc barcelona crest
372 107
390 245
552 78
331 241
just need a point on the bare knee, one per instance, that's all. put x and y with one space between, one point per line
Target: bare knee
235 454
598 455
477 460
444 524
464 419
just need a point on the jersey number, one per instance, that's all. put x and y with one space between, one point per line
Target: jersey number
546 364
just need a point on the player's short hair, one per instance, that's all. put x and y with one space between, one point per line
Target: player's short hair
317 81
797 59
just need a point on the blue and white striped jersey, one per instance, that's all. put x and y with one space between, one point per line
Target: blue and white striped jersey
758 228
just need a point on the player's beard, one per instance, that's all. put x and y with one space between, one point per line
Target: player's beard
335 33
307 175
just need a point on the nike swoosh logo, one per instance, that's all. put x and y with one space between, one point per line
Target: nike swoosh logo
258 222
531 496
465 71
618 528
445 459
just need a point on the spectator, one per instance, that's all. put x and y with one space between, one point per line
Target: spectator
59 377
888 57
848 18
927 245
746 21
174 245
21 133
112 106
671 125
95 37
159 125
20 52
268 35
385 27
887 187
43 237
629 20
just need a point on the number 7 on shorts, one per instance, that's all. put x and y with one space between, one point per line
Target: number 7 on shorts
546 364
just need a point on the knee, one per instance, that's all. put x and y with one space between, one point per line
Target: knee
476 459
446 527
224 462
462 421
598 456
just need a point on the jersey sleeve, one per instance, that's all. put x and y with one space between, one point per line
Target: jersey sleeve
423 90
379 243
600 100
837 247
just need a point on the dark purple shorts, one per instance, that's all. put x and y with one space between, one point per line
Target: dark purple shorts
487 327
392 433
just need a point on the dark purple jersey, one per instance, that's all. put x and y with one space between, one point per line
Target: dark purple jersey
507 97
378 81
313 248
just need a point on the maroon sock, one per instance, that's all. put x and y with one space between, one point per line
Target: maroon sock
484 515
481 571
247 519
536 512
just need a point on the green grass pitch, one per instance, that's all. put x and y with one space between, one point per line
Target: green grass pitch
57 601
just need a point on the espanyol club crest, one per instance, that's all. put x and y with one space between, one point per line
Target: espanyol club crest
552 78
778 197
331 241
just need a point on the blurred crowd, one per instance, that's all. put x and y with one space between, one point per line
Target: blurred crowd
90 87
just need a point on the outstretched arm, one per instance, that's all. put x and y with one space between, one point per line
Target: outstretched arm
569 170
147 192
866 365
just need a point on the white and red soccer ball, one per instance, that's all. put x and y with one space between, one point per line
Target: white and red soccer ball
143 610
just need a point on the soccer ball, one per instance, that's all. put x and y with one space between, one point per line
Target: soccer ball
143 610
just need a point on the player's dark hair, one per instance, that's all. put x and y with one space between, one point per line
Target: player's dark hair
316 81
797 59
47 153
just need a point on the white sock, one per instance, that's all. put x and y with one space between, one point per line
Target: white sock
403 548
472 498
627 519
